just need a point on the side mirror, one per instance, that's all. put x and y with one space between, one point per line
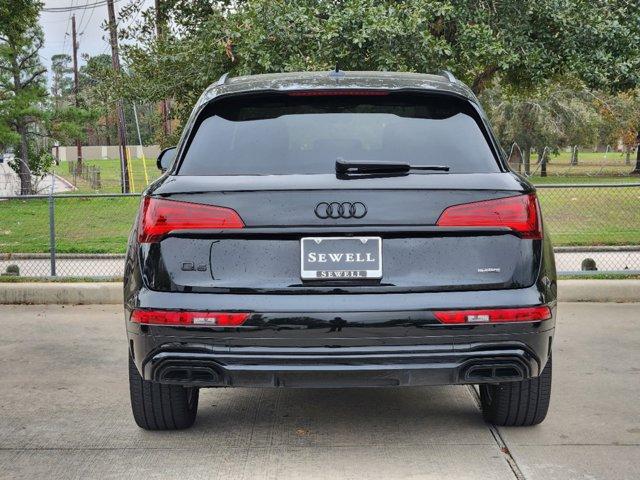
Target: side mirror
165 159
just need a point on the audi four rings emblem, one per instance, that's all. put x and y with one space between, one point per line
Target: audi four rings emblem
340 210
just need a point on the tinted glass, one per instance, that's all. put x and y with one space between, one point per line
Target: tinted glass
280 134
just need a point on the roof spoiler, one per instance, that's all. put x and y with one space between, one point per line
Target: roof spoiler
223 79
448 75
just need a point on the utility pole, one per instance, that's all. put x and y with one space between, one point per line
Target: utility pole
164 104
76 87
122 134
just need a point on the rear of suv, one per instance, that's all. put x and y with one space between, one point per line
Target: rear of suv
342 229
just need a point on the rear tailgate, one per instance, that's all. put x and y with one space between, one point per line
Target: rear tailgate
417 255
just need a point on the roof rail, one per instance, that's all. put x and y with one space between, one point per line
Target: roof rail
448 75
223 79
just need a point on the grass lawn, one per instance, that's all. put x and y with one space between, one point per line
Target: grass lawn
590 164
588 158
582 216
110 175
573 216
581 179
96 225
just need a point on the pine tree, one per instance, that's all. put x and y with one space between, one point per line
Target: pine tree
22 80
61 80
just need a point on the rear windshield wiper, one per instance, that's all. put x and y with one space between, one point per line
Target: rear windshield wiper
359 167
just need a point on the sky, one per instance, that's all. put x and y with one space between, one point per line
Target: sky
57 29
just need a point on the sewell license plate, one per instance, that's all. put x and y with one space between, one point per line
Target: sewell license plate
340 258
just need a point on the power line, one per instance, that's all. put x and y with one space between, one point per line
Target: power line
52 22
66 32
70 8
84 11
88 20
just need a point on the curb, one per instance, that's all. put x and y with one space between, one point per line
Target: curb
603 248
60 179
61 293
617 291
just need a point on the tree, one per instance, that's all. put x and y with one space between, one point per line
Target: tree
67 123
97 94
525 44
96 79
63 120
621 120
553 116
22 79
626 111
61 79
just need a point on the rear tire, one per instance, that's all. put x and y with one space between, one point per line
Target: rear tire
517 404
161 407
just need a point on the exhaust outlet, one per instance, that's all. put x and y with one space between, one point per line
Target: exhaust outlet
185 374
493 373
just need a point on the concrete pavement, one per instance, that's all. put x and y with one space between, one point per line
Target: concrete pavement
64 413
59 184
10 182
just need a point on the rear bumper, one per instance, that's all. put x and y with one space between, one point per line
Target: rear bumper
197 364
341 340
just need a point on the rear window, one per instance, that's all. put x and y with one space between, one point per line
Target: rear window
282 134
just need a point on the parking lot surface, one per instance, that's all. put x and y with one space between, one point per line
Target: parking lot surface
64 413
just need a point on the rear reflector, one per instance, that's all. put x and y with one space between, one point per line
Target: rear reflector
173 317
494 315
521 214
160 216
337 93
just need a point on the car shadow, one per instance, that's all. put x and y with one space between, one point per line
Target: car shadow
259 417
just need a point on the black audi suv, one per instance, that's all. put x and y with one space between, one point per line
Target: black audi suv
338 229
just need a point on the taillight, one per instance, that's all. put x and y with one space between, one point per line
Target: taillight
160 216
494 315
175 317
521 214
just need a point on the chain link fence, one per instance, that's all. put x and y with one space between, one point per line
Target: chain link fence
595 228
82 236
89 173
